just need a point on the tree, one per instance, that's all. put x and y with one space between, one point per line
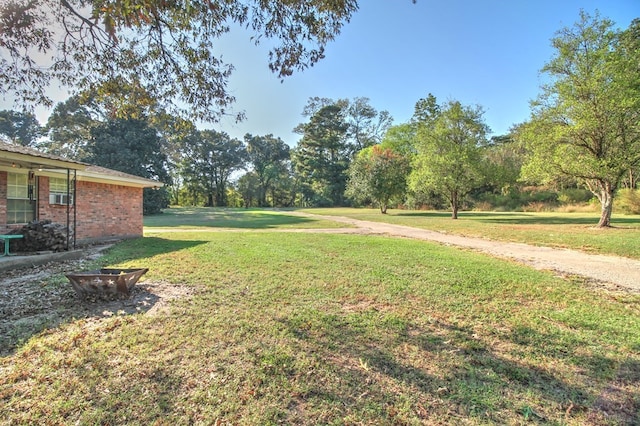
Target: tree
378 174
367 126
269 157
248 186
69 129
322 157
502 160
72 122
285 188
131 146
448 153
174 133
168 46
425 111
401 139
20 128
209 159
585 123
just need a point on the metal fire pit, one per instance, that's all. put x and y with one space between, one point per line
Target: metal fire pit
105 282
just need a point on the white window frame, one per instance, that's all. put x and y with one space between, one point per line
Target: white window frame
18 194
58 191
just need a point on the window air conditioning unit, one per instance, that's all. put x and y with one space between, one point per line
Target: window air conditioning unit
60 199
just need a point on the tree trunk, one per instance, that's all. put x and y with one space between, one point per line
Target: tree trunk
221 195
383 208
606 203
262 196
454 205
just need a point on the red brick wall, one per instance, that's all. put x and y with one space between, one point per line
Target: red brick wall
107 211
104 211
42 212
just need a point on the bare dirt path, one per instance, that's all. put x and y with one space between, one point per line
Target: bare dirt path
613 272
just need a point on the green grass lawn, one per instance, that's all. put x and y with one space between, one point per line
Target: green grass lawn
185 218
566 230
303 328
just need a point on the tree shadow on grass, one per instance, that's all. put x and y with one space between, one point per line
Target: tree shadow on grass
528 218
260 220
227 218
443 371
147 247
557 220
427 214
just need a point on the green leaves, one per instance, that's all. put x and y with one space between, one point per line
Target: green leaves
20 128
378 174
167 45
448 152
584 124
322 156
208 160
269 157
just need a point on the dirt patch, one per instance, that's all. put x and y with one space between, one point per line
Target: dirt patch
40 297
618 403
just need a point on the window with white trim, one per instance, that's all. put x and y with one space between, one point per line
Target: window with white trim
58 191
20 208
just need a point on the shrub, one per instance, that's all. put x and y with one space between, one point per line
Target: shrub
536 206
628 201
154 200
574 196
483 206
578 208
530 198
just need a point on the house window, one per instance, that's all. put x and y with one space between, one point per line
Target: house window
58 193
20 205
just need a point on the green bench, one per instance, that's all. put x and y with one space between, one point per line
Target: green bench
6 239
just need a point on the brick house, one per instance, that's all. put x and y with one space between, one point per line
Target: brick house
95 202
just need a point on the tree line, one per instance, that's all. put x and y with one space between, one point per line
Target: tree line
582 140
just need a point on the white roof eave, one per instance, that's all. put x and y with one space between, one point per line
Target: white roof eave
89 176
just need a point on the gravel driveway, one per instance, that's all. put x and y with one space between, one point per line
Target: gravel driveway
610 271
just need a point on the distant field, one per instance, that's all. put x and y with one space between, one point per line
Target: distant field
566 230
309 328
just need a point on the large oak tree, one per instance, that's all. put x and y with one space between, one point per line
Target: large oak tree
134 147
586 122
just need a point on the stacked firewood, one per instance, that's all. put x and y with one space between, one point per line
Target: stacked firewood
41 235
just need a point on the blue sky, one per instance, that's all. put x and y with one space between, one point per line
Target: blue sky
484 52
